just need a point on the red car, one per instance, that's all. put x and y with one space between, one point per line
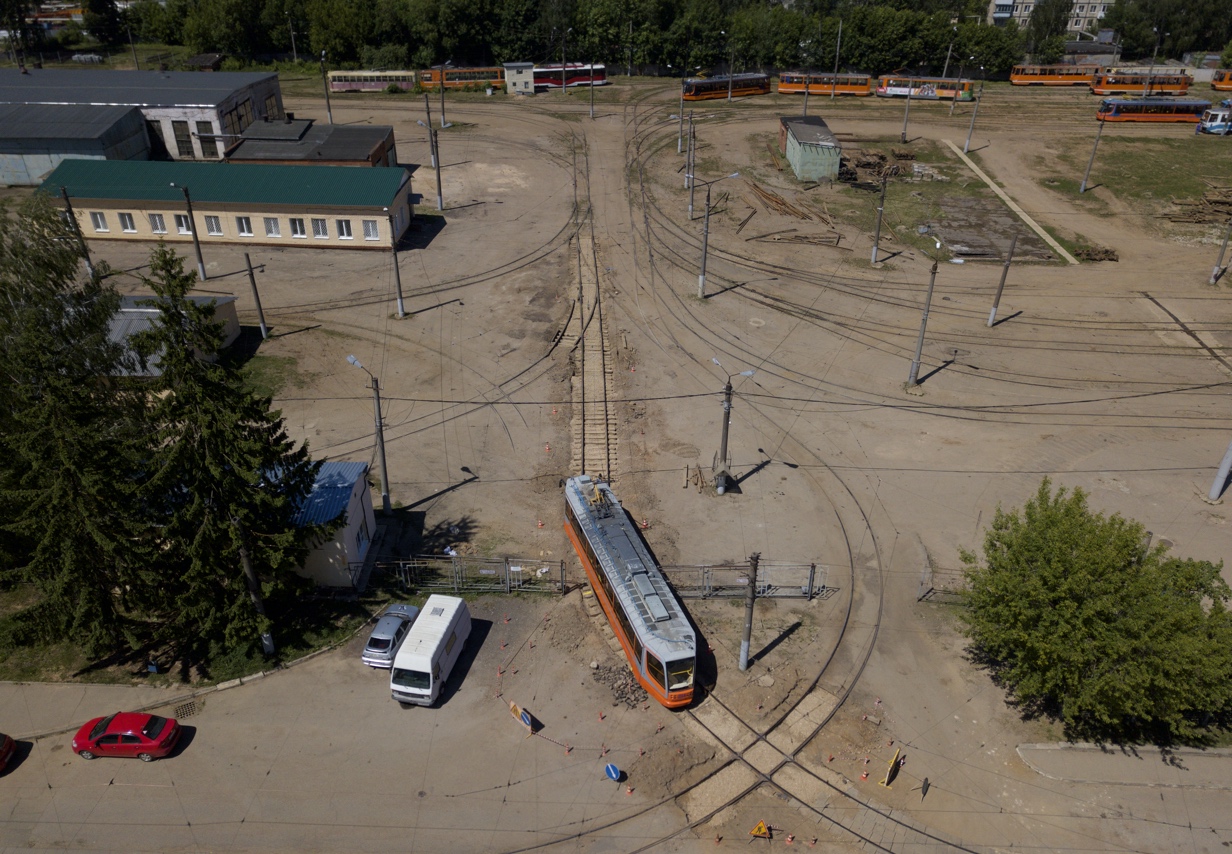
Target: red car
148 737
7 746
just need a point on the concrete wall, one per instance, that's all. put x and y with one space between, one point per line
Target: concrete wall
231 116
329 563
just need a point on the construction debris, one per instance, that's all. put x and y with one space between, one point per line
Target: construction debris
1096 253
774 155
777 204
1215 206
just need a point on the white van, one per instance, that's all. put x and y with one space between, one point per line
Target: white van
430 650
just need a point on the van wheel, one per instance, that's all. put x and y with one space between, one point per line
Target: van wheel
404 705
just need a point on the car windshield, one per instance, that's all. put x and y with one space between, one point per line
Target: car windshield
153 726
414 679
378 644
101 727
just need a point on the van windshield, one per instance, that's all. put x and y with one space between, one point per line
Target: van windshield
416 680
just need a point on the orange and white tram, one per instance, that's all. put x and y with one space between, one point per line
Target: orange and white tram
644 613
1222 80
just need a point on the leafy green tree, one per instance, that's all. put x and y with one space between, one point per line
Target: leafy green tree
224 482
69 470
1080 619
227 26
1049 18
1225 59
103 21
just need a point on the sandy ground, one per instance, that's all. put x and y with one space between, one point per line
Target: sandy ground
1109 377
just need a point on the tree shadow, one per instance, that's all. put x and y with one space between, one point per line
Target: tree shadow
445 534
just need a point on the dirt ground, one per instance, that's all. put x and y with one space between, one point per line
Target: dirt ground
1111 377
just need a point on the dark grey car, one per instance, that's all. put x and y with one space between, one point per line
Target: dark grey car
387 636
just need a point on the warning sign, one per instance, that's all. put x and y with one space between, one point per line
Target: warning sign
761 831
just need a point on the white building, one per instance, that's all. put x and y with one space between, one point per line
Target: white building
341 487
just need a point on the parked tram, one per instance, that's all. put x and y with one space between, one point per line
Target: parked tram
431 79
706 88
644 613
371 81
926 88
1217 120
1120 81
795 82
572 74
1053 75
1222 81
1151 110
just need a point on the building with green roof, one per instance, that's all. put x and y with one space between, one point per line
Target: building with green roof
337 207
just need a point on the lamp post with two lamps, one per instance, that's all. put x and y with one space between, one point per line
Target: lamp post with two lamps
380 432
722 464
701 278
192 227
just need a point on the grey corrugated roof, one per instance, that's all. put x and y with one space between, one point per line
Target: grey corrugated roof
132 88
59 121
278 141
810 130
133 317
331 493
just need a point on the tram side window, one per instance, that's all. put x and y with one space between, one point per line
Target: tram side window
654 669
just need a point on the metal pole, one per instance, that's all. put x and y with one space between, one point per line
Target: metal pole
1219 263
731 74
838 45
689 180
192 225
749 598
252 280
81 238
812 577
291 26
701 279
919 344
996 301
1083 187
974 112
680 128
393 244
329 113
431 138
564 64
629 68
132 46
906 113
1221 477
946 70
380 443
444 124
592 88
958 88
806 92
436 144
880 211
720 481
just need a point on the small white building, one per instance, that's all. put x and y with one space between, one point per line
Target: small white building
520 78
341 488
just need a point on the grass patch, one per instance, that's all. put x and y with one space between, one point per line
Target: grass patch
267 376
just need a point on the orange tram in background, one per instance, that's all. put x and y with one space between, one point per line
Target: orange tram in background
1222 81
1053 75
1121 81
796 82
708 88
645 615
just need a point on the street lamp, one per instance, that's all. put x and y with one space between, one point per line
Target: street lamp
192 227
701 278
953 35
974 112
329 114
958 87
723 464
1159 37
380 432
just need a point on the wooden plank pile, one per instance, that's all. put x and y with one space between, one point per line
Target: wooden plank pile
1215 206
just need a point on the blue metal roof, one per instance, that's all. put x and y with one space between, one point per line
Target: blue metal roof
331 493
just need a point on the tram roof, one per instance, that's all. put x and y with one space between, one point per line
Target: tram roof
1178 102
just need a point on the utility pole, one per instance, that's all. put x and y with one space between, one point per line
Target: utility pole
880 211
393 244
380 431
291 26
749 599
85 250
436 146
731 74
592 88
132 46
1005 271
444 124
192 226
913 376
1083 187
1221 477
1218 264
629 68
431 138
329 113
680 127
906 112
252 280
838 45
974 112
946 70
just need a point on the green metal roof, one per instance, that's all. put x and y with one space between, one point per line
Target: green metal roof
313 186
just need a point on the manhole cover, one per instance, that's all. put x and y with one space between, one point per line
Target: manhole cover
186 710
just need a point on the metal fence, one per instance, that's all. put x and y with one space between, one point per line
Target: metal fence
464 573
792 581
941 585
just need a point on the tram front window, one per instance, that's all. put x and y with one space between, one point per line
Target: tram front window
679 674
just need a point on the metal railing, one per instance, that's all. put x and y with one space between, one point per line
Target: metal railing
461 573
784 580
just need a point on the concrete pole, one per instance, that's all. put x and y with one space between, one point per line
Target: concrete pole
946 70
680 128
252 280
1221 477
192 225
996 301
85 250
393 244
749 599
444 124
913 376
380 443
329 113
807 81
431 139
720 485
1219 263
592 88
436 146
880 211
294 52
974 112
701 279
906 113
838 45
731 74
1083 187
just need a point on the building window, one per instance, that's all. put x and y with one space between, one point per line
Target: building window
100 220
319 228
370 230
182 225
183 141
271 106
213 225
246 115
209 145
157 225
243 226
297 228
344 229
271 227
126 222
